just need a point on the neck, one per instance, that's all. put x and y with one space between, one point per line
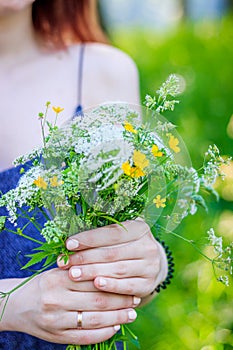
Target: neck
17 35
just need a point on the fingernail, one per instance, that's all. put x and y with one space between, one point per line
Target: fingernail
75 272
136 300
132 314
61 262
72 244
117 328
102 282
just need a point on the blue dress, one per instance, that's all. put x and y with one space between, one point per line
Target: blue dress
15 248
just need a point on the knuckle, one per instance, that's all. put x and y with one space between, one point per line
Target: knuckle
87 238
47 297
115 231
101 302
121 269
47 302
77 259
94 321
110 254
48 321
121 317
50 278
89 272
130 288
152 253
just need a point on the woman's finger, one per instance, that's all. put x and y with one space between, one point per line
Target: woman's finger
126 251
82 337
127 286
94 320
94 301
108 235
118 269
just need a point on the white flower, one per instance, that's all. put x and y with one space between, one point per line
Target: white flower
105 134
215 241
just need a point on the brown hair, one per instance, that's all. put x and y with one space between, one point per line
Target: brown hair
60 23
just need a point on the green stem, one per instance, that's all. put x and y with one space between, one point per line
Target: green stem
25 236
123 333
42 124
55 122
42 131
34 223
188 241
44 214
30 238
130 332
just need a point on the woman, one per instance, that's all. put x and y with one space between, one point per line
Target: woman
86 300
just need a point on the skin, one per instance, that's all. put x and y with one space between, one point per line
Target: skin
50 311
9 6
54 297
129 252
112 270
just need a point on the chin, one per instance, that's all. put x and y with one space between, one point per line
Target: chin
11 6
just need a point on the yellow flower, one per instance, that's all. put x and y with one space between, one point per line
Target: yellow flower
133 172
159 202
54 182
126 168
156 152
137 172
41 183
140 160
58 109
173 143
129 127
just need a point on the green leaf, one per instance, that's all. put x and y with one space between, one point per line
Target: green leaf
132 337
113 220
143 189
50 260
35 258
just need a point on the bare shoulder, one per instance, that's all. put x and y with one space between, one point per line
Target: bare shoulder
108 53
114 72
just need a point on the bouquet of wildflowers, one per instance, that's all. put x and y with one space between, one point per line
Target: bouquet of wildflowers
114 163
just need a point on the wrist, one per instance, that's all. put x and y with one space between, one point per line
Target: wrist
170 268
163 272
7 304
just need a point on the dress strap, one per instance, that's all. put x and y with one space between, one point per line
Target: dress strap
79 110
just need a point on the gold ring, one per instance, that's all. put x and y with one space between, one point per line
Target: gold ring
79 319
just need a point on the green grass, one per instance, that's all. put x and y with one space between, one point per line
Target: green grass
196 311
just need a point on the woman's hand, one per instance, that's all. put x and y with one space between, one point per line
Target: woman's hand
46 307
124 260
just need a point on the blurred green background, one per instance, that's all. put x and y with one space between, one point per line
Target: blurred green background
196 311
